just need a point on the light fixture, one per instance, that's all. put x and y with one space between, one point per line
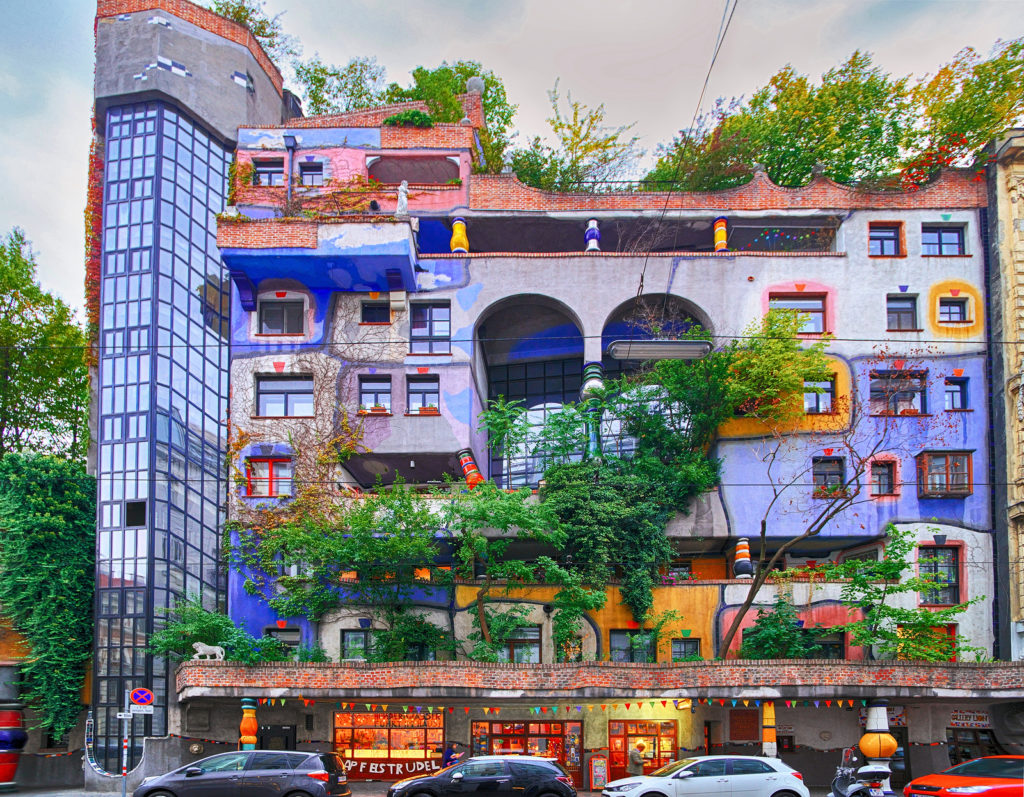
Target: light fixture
289 142
659 349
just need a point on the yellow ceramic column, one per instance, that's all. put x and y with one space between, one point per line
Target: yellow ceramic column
768 740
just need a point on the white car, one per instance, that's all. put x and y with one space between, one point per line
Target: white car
736 775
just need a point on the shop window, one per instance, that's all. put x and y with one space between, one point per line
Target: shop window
284 396
396 736
311 173
819 397
955 393
829 476
944 474
685 649
523 647
901 313
431 329
811 308
936 240
966 744
953 311
375 313
267 477
941 566
423 393
355 645
634 646
883 478
281 318
375 393
659 740
268 171
884 240
898 393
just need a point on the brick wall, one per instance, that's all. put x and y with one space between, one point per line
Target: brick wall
472 104
201 17
266 234
593 680
952 189
441 136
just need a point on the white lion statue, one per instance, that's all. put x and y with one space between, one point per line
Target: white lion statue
204 651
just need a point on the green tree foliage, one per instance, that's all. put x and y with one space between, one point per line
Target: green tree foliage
190 622
587 150
776 634
408 636
44 385
267 30
328 88
47 526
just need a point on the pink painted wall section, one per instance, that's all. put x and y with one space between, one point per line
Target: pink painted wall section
825 614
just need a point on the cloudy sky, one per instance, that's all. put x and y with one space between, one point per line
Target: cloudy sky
645 60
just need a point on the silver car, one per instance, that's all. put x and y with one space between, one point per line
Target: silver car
736 775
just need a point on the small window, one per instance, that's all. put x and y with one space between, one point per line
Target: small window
375 393
287 636
811 308
311 173
898 392
523 647
944 474
941 566
942 241
375 313
685 649
355 645
134 513
832 646
955 393
884 240
634 646
267 477
268 171
819 397
284 396
953 311
423 393
281 318
883 478
431 330
829 476
901 313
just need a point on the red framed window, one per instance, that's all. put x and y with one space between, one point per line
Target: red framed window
944 474
268 477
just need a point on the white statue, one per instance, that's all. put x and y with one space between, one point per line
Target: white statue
206 652
403 199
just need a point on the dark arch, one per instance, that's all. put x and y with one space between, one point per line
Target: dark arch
644 317
528 327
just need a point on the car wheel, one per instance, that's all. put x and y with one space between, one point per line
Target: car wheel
159 794
785 794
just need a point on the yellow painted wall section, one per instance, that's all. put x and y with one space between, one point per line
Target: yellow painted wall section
975 309
12 645
709 568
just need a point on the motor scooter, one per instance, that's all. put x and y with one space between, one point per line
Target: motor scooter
853 781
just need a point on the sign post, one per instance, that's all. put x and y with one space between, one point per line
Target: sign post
136 701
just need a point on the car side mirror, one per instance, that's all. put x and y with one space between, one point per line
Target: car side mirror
684 774
191 772
456 776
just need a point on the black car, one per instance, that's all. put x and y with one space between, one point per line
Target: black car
253 773
498 775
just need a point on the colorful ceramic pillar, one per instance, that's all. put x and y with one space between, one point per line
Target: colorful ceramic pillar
592 237
721 234
249 726
470 471
460 241
878 745
12 739
742 567
593 381
768 741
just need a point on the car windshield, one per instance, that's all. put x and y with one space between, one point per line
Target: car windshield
670 769
990 768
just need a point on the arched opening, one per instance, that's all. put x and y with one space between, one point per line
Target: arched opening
431 170
652 315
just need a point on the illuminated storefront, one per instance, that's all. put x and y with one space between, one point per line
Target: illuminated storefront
389 744
560 740
659 738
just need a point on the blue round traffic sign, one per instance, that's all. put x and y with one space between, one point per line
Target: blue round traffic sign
142 696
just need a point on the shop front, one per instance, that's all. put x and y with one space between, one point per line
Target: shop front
559 740
388 745
660 740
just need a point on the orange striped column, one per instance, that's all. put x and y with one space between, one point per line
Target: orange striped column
249 725
721 234
470 472
769 747
742 567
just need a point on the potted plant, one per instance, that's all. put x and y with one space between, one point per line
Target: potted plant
429 409
378 409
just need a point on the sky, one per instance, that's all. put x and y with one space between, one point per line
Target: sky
645 60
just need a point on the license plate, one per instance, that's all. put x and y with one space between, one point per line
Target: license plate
876 792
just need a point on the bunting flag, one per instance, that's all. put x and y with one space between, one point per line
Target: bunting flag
543 709
675 703
663 703
486 710
495 710
615 706
451 709
745 703
721 702
367 706
466 709
817 703
384 707
757 703
828 704
734 704
627 706
789 704
651 703
590 708
604 707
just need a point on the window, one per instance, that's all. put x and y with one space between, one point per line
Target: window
228 762
829 476
355 645
631 646
898 392
422 392
311 173
944 474
279 760
268 171
281 318
810 306
884 240
268 477
955 393
831 646
822 400
685 649
375 313
942 567
901 313
431 329
883 478
291 637
134 513
749 766
523 647
711 768
284 396
942 241
375 393
953 311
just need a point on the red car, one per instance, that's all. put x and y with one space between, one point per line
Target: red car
991 776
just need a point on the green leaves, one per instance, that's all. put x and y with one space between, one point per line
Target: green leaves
333 89
776 634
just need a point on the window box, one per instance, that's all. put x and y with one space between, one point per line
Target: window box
428 411
831 491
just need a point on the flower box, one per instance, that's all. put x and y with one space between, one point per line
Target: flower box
428 411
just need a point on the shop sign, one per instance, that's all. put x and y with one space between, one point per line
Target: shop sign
897 716
779 728
362 768
969 718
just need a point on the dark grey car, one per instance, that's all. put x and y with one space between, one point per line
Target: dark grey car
253 773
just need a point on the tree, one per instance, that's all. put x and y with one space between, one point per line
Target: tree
44 386
778 634
587 151
267 30
47 537
332 89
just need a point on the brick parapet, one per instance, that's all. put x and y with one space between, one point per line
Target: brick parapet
441 136
200 17
472 105
595 680
266 234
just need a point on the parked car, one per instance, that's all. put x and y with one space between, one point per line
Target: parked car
740 775
993 776
500 775
253 773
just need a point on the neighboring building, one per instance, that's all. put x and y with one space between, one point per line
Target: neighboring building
173 83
